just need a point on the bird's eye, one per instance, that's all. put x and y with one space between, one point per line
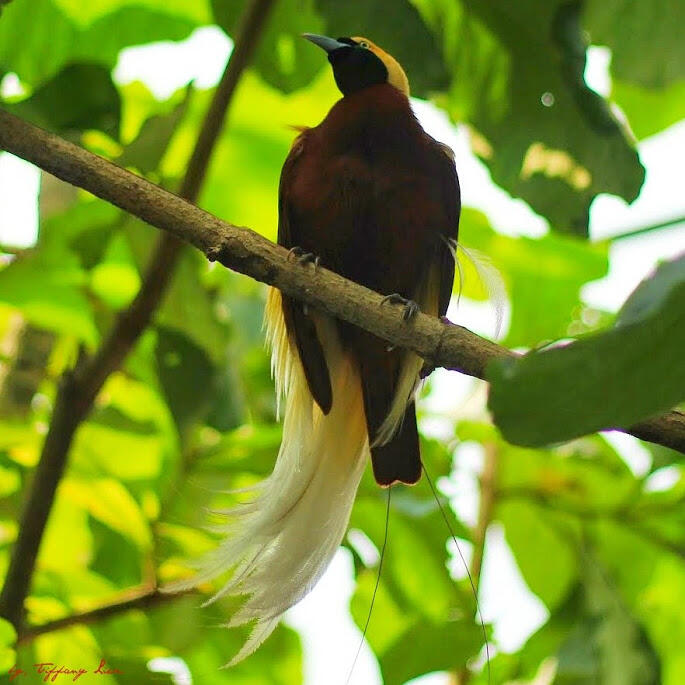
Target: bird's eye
364 45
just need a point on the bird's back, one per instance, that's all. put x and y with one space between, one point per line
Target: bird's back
365 193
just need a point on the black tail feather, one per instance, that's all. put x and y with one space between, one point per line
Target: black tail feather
399 460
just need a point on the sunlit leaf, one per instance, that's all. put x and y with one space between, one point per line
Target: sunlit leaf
47 287
649 111
115 279
8 636
42 28
633 37
547 561
108 501
195 11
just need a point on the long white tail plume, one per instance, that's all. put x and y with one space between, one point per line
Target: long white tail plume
279 544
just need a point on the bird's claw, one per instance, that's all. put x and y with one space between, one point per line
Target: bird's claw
411 309
304 257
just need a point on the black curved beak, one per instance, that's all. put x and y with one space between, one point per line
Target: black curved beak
325 43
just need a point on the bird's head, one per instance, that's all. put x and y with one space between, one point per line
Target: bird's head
358 63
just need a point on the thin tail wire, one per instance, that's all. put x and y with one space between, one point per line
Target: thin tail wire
466 566
375 589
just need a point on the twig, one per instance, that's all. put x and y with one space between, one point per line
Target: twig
79 388
488 496
632 233
241 249
139 599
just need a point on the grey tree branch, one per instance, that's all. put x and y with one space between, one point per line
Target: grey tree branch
79 388
241 249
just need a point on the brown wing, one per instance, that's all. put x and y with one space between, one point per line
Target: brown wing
447 251
299 324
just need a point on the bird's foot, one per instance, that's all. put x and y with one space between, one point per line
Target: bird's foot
304 257
411 309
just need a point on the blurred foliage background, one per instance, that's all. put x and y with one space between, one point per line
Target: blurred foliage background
192 412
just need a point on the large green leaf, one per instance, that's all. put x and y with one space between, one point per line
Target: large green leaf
649 111
612 379
41 28
632 29
84 14
547 561
80 97
518 79
428 647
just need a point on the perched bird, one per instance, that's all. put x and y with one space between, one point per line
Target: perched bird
370 195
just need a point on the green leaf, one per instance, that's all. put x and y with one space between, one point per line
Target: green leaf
108 501
60 552
519 81
186 375
130 438
8 636
649 111
408 645
612 379
80 97
145 152
115 278
607 645
10 481
642 25
46 285
84 14
652 294
388 620
41 27
85 228
428 647
547 561
75 645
